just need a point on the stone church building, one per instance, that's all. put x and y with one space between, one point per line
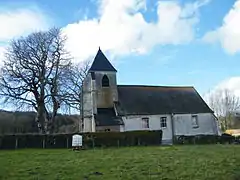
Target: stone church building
112 107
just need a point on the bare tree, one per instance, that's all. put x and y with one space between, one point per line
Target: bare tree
74 88
32 73
224 103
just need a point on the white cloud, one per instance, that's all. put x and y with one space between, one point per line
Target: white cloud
192 8
122 29
229 33
19 22
232 84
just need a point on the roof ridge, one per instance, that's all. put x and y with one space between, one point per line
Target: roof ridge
126 85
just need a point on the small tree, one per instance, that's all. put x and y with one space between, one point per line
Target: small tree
224 103
32 75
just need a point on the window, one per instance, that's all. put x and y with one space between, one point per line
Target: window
163 122
105 81
145 122
194 121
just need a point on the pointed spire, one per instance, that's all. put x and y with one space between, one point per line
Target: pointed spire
101 63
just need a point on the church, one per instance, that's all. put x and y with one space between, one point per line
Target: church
176 110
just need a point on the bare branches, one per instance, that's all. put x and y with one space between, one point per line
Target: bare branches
224 103
38 74
74 83
32 73
73 88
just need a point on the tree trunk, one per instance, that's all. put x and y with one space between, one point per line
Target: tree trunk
41 118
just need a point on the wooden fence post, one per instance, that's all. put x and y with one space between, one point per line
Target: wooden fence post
16 143
67 142
93 142
44 143
118 142
139 143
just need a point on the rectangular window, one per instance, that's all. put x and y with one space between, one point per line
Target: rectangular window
163 122
195 121
145 122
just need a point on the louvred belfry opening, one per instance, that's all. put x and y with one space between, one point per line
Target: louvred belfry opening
105 81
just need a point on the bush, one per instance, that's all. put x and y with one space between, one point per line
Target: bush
227 138
237 140
131 138
90 140
7 142
204 139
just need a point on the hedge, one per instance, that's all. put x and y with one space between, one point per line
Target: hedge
205 139
90 140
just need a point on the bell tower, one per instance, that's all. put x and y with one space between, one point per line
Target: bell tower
105 81
100 89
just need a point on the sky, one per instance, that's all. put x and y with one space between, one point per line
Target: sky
150 42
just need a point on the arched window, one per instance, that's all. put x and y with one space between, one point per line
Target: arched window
105 81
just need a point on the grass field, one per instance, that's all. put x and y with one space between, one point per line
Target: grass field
218 162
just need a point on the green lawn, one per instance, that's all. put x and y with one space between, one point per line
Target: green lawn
218 162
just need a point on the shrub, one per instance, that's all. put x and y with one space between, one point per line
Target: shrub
8 142
227 138
131 138
90 140
204 139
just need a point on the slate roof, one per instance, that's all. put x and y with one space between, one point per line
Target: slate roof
101 63
107 117
147 100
